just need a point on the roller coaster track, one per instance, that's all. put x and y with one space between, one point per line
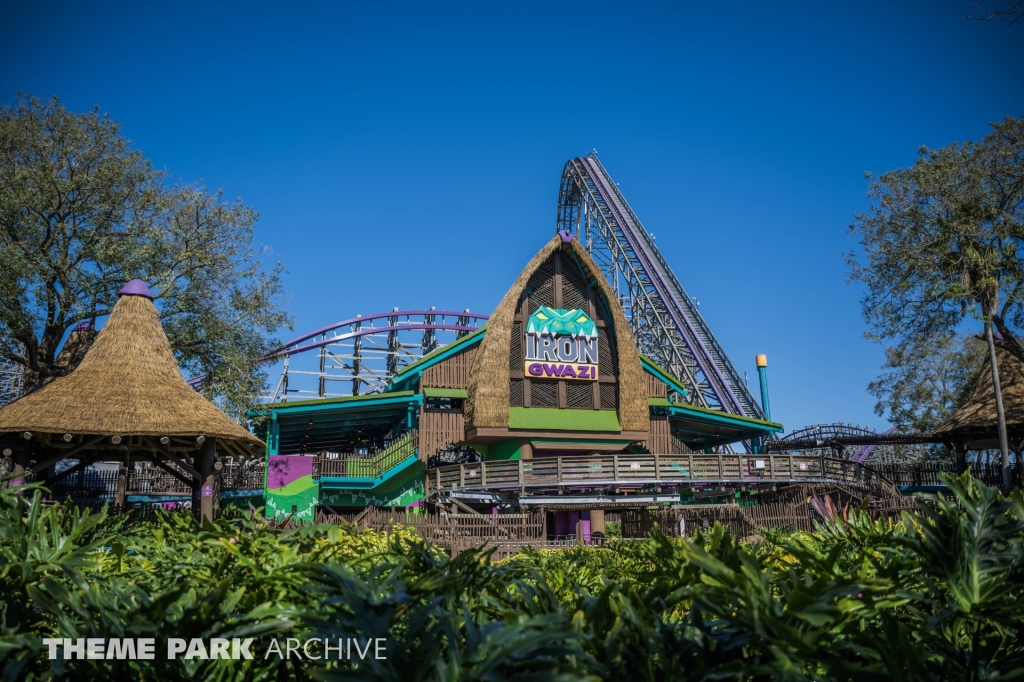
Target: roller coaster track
12 381
666 322
363 352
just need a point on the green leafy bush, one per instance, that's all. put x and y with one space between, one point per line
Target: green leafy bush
938 596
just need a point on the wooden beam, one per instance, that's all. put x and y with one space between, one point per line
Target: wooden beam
174 458
172 472
40 466
67 472
466 507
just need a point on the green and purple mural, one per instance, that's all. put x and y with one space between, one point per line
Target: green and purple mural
401 490
291 490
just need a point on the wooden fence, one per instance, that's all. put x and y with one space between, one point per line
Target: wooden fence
450 530
791 509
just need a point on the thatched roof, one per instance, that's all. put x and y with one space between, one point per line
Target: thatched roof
978 415
128 384
488 394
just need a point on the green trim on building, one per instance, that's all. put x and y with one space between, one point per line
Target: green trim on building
354 483
439 354
549 419
345 402
503 449
657 371
284 407
659 402
400 490
432 392
719 416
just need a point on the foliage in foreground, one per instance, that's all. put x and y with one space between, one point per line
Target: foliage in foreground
936 597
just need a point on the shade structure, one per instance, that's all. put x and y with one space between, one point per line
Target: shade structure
977 418
128 384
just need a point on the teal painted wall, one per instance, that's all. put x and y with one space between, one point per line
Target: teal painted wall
399 491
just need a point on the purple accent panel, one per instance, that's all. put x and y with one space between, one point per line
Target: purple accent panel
563 523
285 469
566 236
136 287
654 271
586 530
82 327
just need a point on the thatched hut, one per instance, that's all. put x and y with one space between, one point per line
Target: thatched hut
975 427
975 422
126 401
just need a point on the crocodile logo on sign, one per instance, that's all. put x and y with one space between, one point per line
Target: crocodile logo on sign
561 344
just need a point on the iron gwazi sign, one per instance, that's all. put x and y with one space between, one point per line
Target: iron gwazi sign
561 344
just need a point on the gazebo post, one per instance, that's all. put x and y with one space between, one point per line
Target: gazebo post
122 479
197 500
18 460
961 457
207 456
1018 451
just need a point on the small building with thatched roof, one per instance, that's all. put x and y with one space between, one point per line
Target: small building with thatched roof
126 401
553 380
974 424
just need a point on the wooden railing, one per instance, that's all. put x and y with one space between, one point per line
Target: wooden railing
239 477
347 465
628 470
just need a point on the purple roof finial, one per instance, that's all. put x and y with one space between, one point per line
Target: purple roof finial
136 287
566 236
82 326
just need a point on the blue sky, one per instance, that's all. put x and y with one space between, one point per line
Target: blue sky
408 154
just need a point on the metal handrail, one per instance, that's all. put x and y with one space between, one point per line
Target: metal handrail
347 465
637 470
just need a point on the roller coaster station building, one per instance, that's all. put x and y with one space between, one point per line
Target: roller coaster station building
549 404
548 407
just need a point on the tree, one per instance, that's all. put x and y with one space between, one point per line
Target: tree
943 242
82 212
922 384
1011 14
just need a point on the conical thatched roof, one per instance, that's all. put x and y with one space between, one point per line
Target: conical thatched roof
978 415
128 384
488 397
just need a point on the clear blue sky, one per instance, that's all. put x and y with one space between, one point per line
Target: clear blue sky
409 154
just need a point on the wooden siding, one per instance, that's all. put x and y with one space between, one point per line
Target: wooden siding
656 388
451 372
660 439
439 429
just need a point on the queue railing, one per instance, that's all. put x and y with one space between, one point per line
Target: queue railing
633 470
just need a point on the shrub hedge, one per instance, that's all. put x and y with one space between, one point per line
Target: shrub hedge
938 596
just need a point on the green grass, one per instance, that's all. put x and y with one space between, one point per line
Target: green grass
939 596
